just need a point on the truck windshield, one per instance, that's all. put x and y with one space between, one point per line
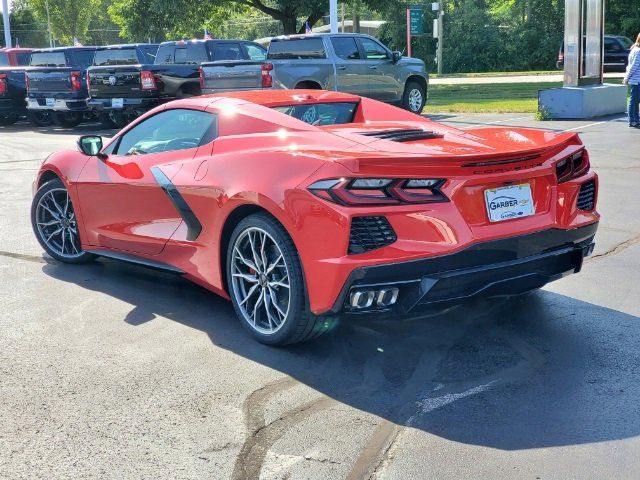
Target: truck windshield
321 113
48 59
121 56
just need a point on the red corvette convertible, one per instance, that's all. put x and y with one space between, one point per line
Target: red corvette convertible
304 206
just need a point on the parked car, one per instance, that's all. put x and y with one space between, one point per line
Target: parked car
126 91
616 53
351 63
13 62
56 85
299 219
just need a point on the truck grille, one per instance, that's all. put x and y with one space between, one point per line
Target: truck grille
587 196
369 233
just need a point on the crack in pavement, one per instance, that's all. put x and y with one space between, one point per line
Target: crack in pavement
615 250
261 436
21 256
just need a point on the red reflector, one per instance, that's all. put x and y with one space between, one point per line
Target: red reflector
3 84
147 80
267 79
76 81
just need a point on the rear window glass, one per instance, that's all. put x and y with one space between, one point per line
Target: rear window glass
123 56
255 52
345 47
148 53
191 53
299 48
4 60
227 51
321 113
81 58
48 59
627 42
24 58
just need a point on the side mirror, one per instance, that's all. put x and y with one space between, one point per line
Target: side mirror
90 144
396 56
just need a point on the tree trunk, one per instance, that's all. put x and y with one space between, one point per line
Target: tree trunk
289 23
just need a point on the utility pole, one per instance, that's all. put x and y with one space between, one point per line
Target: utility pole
46 5
440 36
333 15
7 23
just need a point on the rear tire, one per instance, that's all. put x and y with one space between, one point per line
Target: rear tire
9 119
40 118
54 223
414 97
68 119
107 121
270 299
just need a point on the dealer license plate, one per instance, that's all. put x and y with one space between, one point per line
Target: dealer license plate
117 102
513 201
50 102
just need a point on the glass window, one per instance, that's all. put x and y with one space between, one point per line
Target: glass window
81 58
175 129
611 45
121 56
256 52
345 47
148 53
4 60
23 58
373 50
321 113
297 48
626 42
48 59
227 51
165 53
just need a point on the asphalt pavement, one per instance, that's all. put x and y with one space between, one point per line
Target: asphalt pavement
112 371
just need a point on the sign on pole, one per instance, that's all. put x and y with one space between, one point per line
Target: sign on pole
416 20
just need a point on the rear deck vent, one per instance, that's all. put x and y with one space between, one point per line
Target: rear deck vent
403 135
369 233
587 196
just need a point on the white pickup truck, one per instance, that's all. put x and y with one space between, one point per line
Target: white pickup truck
351 63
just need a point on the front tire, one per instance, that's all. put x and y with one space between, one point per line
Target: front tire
414 97
266 284
40 118
54 223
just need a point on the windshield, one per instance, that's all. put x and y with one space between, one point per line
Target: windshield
321 113
122 56
48 59
626 42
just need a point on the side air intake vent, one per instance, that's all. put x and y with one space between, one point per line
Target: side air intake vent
587 196
369 233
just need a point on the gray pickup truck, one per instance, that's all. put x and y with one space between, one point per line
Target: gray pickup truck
345 62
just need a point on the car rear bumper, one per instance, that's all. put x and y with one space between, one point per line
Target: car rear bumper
72 105
142 104
507 266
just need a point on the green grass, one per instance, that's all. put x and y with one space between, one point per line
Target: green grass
488 98
496 74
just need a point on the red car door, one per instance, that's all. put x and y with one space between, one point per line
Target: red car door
123 197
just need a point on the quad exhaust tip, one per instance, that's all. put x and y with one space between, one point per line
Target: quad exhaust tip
383 297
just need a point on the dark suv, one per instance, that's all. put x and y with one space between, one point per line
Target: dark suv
616 53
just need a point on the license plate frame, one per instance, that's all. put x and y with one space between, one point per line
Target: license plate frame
509 202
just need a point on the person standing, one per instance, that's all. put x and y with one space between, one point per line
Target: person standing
632 78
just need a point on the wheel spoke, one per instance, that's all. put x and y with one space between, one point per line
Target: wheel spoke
280 283
256 306
53 214
64 240
267 301
248 263
48 224
251 291
274 264
55 204
53 233
274 302
254 252
246 277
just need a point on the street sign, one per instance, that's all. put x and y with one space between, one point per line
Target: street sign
415 17
435 6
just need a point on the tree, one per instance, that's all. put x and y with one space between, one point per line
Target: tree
26 29
69 18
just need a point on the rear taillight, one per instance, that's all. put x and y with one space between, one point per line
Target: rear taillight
267 79
573 166
26 82
201 73
379 191
88 84
147 80
76 81
561 57
3 84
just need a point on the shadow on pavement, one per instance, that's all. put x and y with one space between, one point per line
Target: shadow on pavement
537 371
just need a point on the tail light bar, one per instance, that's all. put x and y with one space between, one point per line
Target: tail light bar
561 57
26 82
76 81
3 84
573 166
88 83
379 191
201 73
147 80
267 79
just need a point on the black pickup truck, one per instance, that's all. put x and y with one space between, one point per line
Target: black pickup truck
56 85
13 62
127 91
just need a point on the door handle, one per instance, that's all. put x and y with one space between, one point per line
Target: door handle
373 67
341 67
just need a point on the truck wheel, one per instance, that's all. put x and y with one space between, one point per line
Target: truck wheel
68 119
121 119
9 119
414 97
40 118
107 121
